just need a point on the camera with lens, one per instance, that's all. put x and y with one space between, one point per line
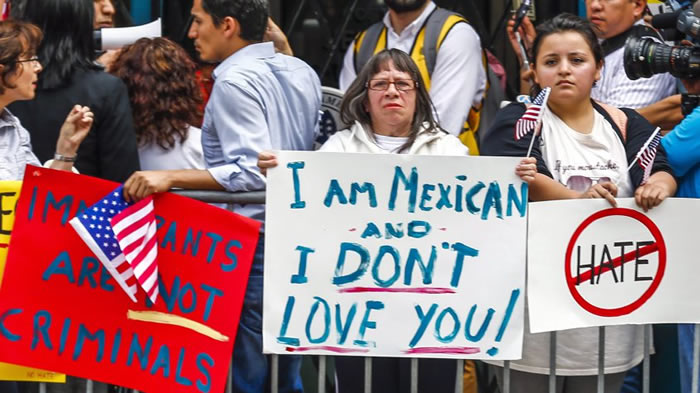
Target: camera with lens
646 56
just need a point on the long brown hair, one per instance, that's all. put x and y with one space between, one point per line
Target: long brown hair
165 98
352 107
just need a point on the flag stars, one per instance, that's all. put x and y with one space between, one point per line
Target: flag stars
94 217
98 235
85 216
95 209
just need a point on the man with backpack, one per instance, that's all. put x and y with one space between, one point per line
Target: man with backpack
447 51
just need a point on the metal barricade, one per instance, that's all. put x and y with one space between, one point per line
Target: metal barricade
258 197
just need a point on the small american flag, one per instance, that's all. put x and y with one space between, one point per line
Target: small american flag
532 118
122 236
648 153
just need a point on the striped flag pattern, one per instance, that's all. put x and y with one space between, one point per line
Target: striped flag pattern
532 118
646 158
135 228
96 227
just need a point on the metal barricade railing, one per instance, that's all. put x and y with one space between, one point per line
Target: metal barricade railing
258 197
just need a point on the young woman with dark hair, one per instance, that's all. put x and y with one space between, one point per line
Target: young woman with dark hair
70 76
164 120
582 151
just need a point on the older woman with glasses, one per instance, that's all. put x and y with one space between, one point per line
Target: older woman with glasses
389 111
19 68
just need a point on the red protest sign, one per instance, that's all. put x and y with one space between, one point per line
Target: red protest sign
60 309
657 246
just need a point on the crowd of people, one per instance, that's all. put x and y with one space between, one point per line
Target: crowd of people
414 83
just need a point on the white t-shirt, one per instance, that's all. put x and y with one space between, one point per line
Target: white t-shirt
185 155
579 160
391 144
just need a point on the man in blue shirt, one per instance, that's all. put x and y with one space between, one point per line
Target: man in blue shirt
260 101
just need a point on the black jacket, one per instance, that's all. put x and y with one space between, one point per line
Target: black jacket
109 151
500 140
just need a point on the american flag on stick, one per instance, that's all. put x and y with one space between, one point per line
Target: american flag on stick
123 237
647 154
532 118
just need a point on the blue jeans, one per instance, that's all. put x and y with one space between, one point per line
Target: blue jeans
251 369
686 336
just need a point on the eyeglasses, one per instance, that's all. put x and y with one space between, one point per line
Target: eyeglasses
399 84
33 59
582 183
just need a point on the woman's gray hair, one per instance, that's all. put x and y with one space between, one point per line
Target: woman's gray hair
355 101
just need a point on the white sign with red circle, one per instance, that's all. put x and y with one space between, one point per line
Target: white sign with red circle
590 264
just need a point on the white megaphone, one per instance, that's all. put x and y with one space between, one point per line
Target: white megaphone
117 37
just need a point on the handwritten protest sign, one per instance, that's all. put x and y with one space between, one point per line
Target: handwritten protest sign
593 265
9 193
394 255
61 310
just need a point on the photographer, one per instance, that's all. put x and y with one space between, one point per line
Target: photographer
615 21
682 146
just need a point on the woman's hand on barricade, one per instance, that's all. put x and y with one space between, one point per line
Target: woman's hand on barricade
605 190
266 159
144 183
527 169
660 186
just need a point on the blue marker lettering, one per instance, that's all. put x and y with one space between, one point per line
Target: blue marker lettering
462 251
424 319
213 293
42 322
455 325
4 330
340 279
426 269
383 250
300 276
484 325
326 321
60 265
201 359
411 185
334 190
162 361
367 323
282 338
84 333
343 329
295 166
355 188
493 199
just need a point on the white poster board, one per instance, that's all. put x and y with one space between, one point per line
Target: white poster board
394 255
569 241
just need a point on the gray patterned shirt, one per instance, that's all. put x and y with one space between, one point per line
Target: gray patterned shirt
15 148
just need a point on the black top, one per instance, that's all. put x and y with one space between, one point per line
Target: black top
109 151
500 140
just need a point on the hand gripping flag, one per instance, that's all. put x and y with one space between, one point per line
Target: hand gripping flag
647 154
123 237
532 118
